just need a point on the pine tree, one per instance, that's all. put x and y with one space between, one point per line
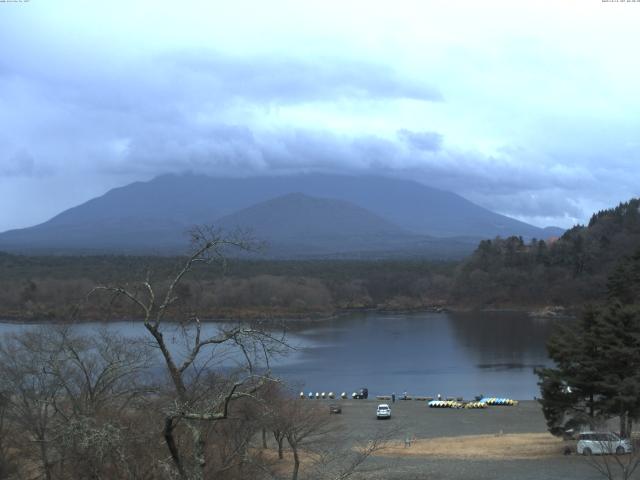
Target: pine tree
618 328
597 360
624 284
570 396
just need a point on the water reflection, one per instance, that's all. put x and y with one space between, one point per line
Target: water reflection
454 354
502 339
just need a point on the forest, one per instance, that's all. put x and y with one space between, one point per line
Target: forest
51 287
501 273
568 271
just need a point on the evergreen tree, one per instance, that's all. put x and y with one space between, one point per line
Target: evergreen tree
624 284
567 271
618 329
570 396
597 360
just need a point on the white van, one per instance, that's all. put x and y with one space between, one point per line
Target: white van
602 443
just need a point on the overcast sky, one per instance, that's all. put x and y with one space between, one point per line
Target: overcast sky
529 108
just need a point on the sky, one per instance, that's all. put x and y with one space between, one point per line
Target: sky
530 108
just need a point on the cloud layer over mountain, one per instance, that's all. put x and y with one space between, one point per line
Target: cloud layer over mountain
540 124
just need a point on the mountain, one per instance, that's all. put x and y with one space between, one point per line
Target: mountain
298 224
551 232
154 215
298 217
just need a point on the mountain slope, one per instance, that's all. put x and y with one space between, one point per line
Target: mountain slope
198 198
154 215
297 217
299 225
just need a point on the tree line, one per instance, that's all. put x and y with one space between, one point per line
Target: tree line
566 271
54 288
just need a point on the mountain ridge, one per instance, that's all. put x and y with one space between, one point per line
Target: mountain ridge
154 215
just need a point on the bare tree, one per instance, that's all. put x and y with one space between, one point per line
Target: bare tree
320 446
230 443
103 379
98 372
344 458
67 394
302 424
273 415
195 403
610 459
31 392
7 461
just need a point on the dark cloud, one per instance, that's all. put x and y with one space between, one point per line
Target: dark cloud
161 86
427 141
179 110
233 150
523 189
186 111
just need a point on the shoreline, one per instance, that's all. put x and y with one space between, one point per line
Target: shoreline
540 312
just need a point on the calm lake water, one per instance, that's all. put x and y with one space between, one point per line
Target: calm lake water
454 354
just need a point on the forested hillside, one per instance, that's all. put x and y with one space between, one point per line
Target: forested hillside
51 287
569 271
505 272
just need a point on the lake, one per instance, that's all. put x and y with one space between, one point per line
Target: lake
452 354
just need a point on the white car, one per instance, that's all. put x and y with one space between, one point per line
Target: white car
599 443
383 411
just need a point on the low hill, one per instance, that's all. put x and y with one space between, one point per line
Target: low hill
570 271
298 225
299 217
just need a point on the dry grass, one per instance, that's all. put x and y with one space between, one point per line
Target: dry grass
490 447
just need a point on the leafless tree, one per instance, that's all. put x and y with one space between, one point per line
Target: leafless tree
31 392
610 459
273 415
302 423
230 446
7 461
344 458
67 394
98 372
104 379
320 446
195 403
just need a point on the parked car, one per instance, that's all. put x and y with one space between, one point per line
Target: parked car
361 394
602 443
335 408
383 411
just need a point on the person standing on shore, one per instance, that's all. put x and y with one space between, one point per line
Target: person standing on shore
393 397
